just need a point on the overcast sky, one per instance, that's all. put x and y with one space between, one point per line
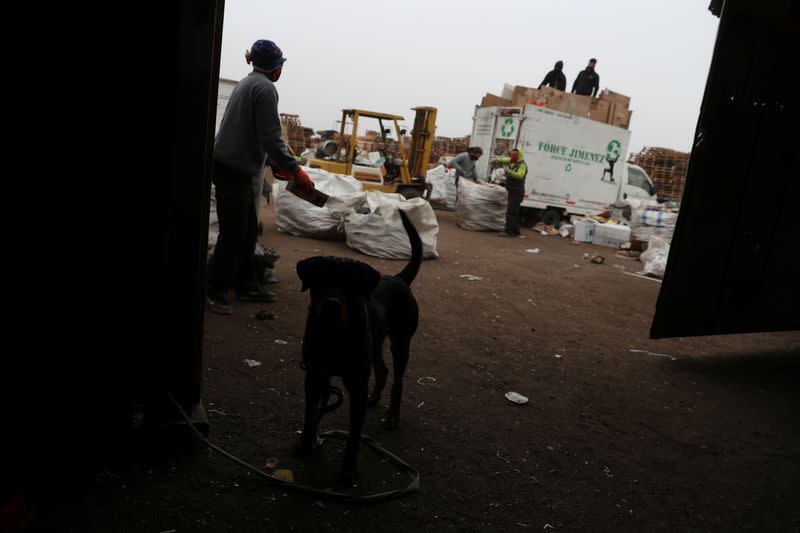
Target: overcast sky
392 56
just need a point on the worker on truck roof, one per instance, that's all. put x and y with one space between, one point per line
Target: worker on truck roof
587 82
555 78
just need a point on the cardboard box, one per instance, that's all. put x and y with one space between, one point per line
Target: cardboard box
620 99
491 100
584 230
611 235
620 117
576 104
599 110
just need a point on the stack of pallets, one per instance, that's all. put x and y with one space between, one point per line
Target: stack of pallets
293 132
666 167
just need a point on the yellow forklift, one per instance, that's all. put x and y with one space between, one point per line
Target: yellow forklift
394 172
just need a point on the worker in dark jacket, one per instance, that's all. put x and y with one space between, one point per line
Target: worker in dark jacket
516 170
249 137
587 82
555 78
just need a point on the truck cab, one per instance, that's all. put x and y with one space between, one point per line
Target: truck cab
637 185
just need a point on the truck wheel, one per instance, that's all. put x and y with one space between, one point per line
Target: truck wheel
551 217
528 216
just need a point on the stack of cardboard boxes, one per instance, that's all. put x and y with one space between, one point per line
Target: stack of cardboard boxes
609 107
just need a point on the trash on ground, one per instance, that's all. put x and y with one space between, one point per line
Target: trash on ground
532 250
284 474
516 398
671 357
470 277
598 259
265 315
280 341
252 362
426 379
557 356
219 411
420 404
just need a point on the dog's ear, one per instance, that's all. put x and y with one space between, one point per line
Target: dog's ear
307 272
365 278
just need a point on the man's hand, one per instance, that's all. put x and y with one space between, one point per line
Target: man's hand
303 180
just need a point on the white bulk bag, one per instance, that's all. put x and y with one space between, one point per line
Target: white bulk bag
381 233
299 217
481 206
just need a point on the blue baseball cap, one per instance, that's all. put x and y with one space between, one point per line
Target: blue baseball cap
266 55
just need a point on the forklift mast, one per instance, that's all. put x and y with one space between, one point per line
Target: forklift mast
421 141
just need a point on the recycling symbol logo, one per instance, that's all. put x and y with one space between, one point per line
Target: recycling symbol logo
507 128
613 150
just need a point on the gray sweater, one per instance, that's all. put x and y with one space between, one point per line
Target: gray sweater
251 129
465 166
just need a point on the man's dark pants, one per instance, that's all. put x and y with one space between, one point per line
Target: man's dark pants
516 191
232 265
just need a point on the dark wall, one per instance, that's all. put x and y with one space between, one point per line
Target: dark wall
733 265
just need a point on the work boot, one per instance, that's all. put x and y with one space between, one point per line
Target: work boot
218 303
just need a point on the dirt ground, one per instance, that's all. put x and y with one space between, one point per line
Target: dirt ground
621 433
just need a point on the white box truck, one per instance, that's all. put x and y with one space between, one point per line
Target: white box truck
568 158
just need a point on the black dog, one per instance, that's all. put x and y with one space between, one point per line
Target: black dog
353 309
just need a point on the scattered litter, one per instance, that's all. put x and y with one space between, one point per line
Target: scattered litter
557 356
279 341
252 362
502 458
426 379
543 233
532 250
420 404
586 255
284 474
547 525
643 277
576 266
516 398
598 259
671 357
218 411
265 315
608 472
272 462
620 267
470 277
523 525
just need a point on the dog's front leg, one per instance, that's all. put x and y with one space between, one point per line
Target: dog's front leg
314 387
358 390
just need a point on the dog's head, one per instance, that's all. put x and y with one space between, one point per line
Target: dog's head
339 286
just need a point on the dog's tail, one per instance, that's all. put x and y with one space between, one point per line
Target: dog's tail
410 271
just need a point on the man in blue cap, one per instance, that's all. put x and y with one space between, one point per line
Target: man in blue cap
249 137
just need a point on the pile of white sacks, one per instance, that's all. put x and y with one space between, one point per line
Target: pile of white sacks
369 221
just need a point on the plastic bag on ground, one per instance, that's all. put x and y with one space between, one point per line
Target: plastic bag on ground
381 233
303 219
655 257
481 206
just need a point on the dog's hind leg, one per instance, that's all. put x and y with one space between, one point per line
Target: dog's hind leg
357 388
314 389
400 353
381 373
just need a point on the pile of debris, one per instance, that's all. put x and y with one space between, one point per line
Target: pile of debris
667 168
609 107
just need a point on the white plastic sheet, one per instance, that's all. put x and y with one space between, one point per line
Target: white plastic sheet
481 206
655 257
298 217
381 233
